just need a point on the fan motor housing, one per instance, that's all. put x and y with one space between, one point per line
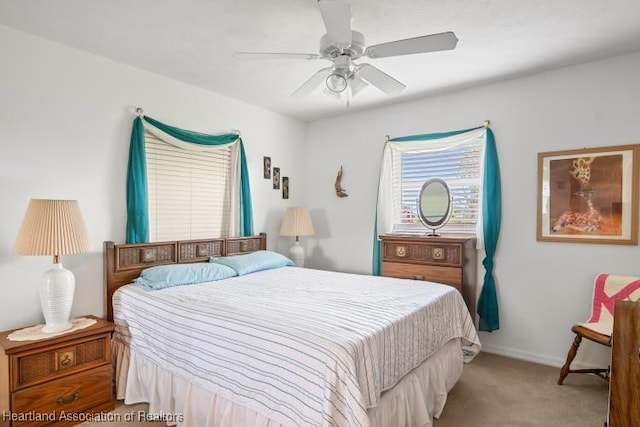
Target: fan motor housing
355 50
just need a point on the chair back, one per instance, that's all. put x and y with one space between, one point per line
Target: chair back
607 289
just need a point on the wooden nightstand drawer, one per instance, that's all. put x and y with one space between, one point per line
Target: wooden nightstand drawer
70 372
76 393
31 368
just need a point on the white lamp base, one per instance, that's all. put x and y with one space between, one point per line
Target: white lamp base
56 298
297 254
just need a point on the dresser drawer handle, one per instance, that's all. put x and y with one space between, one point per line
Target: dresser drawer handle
418 277
401 251
66 358
66 400
438 254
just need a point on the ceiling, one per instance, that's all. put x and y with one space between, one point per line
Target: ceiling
193 41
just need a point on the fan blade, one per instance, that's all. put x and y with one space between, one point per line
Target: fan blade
274 55
332 94
315 81
356 84
336 15
424 44
380 79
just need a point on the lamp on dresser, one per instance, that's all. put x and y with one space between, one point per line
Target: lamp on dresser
297 222
54 228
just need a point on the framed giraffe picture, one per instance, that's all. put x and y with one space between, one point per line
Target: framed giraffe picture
589 195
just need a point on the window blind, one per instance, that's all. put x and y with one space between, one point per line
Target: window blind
459 167
189 191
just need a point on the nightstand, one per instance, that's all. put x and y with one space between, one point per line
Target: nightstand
42 381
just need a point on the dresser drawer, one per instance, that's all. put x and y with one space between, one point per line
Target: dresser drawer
37 366
77 393
447 275
434 254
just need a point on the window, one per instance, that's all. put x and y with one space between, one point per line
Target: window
189 190
459 166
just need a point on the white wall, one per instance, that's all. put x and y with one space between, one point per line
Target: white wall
65 123
543 287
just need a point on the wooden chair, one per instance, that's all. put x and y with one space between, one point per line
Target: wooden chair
583 332
607 290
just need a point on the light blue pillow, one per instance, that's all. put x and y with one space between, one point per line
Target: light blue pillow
255 261
165 276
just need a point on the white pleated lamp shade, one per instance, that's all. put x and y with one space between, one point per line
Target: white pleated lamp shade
52 227
297 222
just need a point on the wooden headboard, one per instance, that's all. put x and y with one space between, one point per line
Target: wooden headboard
123 263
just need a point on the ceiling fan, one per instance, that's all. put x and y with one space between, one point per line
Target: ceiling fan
342 46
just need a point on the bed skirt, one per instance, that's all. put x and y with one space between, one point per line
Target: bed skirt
414 401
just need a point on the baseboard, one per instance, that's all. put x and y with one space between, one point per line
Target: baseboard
541 359
523 355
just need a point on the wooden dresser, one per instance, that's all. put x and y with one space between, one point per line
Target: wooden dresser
41 380
450 259
624 382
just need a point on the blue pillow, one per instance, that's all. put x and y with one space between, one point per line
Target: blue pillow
165 276
255 261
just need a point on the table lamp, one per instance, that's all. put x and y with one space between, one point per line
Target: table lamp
54 227
297 222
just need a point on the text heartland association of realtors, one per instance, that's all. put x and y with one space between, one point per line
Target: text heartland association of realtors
80 417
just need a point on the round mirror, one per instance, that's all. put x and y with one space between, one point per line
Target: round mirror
434 204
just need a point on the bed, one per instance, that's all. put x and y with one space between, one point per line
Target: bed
282 347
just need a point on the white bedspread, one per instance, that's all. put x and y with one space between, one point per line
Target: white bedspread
301 346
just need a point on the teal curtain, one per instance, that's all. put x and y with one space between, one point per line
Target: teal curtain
377 247
137 215
492 214
137 212
432 136
492 209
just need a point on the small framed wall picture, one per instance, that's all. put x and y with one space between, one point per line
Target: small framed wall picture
276 178
285 187
266 167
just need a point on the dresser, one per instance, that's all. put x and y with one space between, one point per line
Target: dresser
44 381
624 380
450 259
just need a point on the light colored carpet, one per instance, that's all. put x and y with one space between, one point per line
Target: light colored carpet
500 392
494 391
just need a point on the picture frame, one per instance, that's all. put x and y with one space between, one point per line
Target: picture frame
266 167
285 187
588 195
276 178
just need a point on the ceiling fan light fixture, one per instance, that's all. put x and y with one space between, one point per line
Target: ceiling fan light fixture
336 82
342 46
